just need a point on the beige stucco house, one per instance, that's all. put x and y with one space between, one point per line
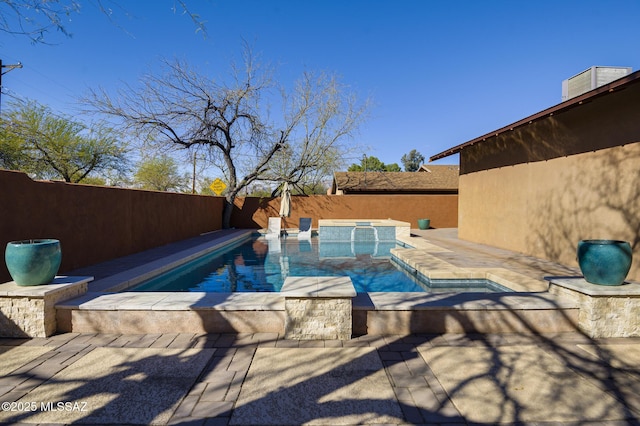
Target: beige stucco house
567 173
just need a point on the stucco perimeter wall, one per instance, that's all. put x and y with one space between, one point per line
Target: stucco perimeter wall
544 208
441 209
95 223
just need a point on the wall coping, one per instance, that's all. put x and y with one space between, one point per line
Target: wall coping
580 285
362 222
59 284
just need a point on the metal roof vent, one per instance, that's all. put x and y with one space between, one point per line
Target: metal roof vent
590 79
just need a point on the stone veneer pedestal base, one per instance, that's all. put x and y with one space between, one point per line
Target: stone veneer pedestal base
30 311
318 308
605 311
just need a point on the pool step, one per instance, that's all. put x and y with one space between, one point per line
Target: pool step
373 313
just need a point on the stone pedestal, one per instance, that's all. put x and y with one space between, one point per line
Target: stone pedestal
318 308
30 311
605 311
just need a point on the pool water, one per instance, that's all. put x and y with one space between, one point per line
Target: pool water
261 265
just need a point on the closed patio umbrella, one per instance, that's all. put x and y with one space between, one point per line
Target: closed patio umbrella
285 201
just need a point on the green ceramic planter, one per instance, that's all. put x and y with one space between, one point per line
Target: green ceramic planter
33 262
424 223
604 262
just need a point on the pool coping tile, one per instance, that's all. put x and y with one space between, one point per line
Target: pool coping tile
318 287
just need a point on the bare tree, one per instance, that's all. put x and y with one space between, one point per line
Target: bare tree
182 108
35 19
327 116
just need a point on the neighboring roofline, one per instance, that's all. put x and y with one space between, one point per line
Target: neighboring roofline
618 84
356 182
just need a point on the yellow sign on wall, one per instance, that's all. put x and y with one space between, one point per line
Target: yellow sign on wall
217 186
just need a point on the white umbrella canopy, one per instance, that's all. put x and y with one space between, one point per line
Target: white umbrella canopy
285 201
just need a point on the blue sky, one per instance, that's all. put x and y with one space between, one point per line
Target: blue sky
439 72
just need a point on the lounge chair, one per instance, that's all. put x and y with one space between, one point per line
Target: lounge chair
273 230
304 228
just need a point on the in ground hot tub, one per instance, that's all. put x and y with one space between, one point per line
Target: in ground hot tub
362 229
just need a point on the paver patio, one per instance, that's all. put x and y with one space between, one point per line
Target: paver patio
263 379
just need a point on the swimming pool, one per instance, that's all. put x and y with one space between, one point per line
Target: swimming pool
261 265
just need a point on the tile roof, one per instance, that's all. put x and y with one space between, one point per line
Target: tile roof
440 178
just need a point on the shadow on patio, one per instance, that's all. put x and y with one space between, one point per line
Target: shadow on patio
474 378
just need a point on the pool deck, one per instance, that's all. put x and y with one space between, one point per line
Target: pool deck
262 378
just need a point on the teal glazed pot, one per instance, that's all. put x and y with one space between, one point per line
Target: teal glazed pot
33 262
604 262
424 223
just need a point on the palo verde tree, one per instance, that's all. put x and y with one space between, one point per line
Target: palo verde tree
48 146
160 173
231 121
